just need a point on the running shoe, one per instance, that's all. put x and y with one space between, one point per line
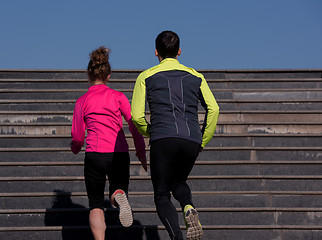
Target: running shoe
126 217
191 218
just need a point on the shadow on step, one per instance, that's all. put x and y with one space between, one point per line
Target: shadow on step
74 221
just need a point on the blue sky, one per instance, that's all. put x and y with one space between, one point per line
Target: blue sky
215 34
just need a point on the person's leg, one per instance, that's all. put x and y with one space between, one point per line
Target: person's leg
118 175
97 223
163 155
185 161
95 179
182 193
187 154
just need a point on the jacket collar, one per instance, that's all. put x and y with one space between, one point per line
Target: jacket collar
169 60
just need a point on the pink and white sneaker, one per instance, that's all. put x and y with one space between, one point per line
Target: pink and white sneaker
126 217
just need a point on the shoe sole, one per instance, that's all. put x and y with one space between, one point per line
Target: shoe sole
125 216
194 231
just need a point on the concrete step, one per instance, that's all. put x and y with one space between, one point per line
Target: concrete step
282 127
262 74
219 140
277 83
221 153
148 216
56 84
83 233
202 199
245 94
64 128
225 104
70 83
39 171
70 74
44 93
157 232
206 149
260 153
224 116
37 105
132 74
263 168
197 183
270 105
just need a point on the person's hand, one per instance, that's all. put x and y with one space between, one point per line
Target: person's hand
143 163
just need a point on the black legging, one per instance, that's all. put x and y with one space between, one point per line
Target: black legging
171 162
99 165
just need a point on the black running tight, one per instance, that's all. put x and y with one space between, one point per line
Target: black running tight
99 165
171 162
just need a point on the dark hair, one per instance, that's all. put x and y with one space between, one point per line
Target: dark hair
99 66
167 44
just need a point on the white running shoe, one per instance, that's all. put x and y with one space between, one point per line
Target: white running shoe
191 217
126 217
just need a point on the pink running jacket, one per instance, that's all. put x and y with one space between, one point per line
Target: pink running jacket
100 111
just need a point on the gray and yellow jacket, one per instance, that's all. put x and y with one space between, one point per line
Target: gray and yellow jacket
173 91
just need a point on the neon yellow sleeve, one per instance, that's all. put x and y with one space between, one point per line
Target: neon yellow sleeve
138 106
212 111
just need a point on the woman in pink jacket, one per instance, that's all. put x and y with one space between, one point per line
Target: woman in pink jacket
100 112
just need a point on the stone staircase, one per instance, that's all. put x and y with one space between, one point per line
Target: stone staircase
260 177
